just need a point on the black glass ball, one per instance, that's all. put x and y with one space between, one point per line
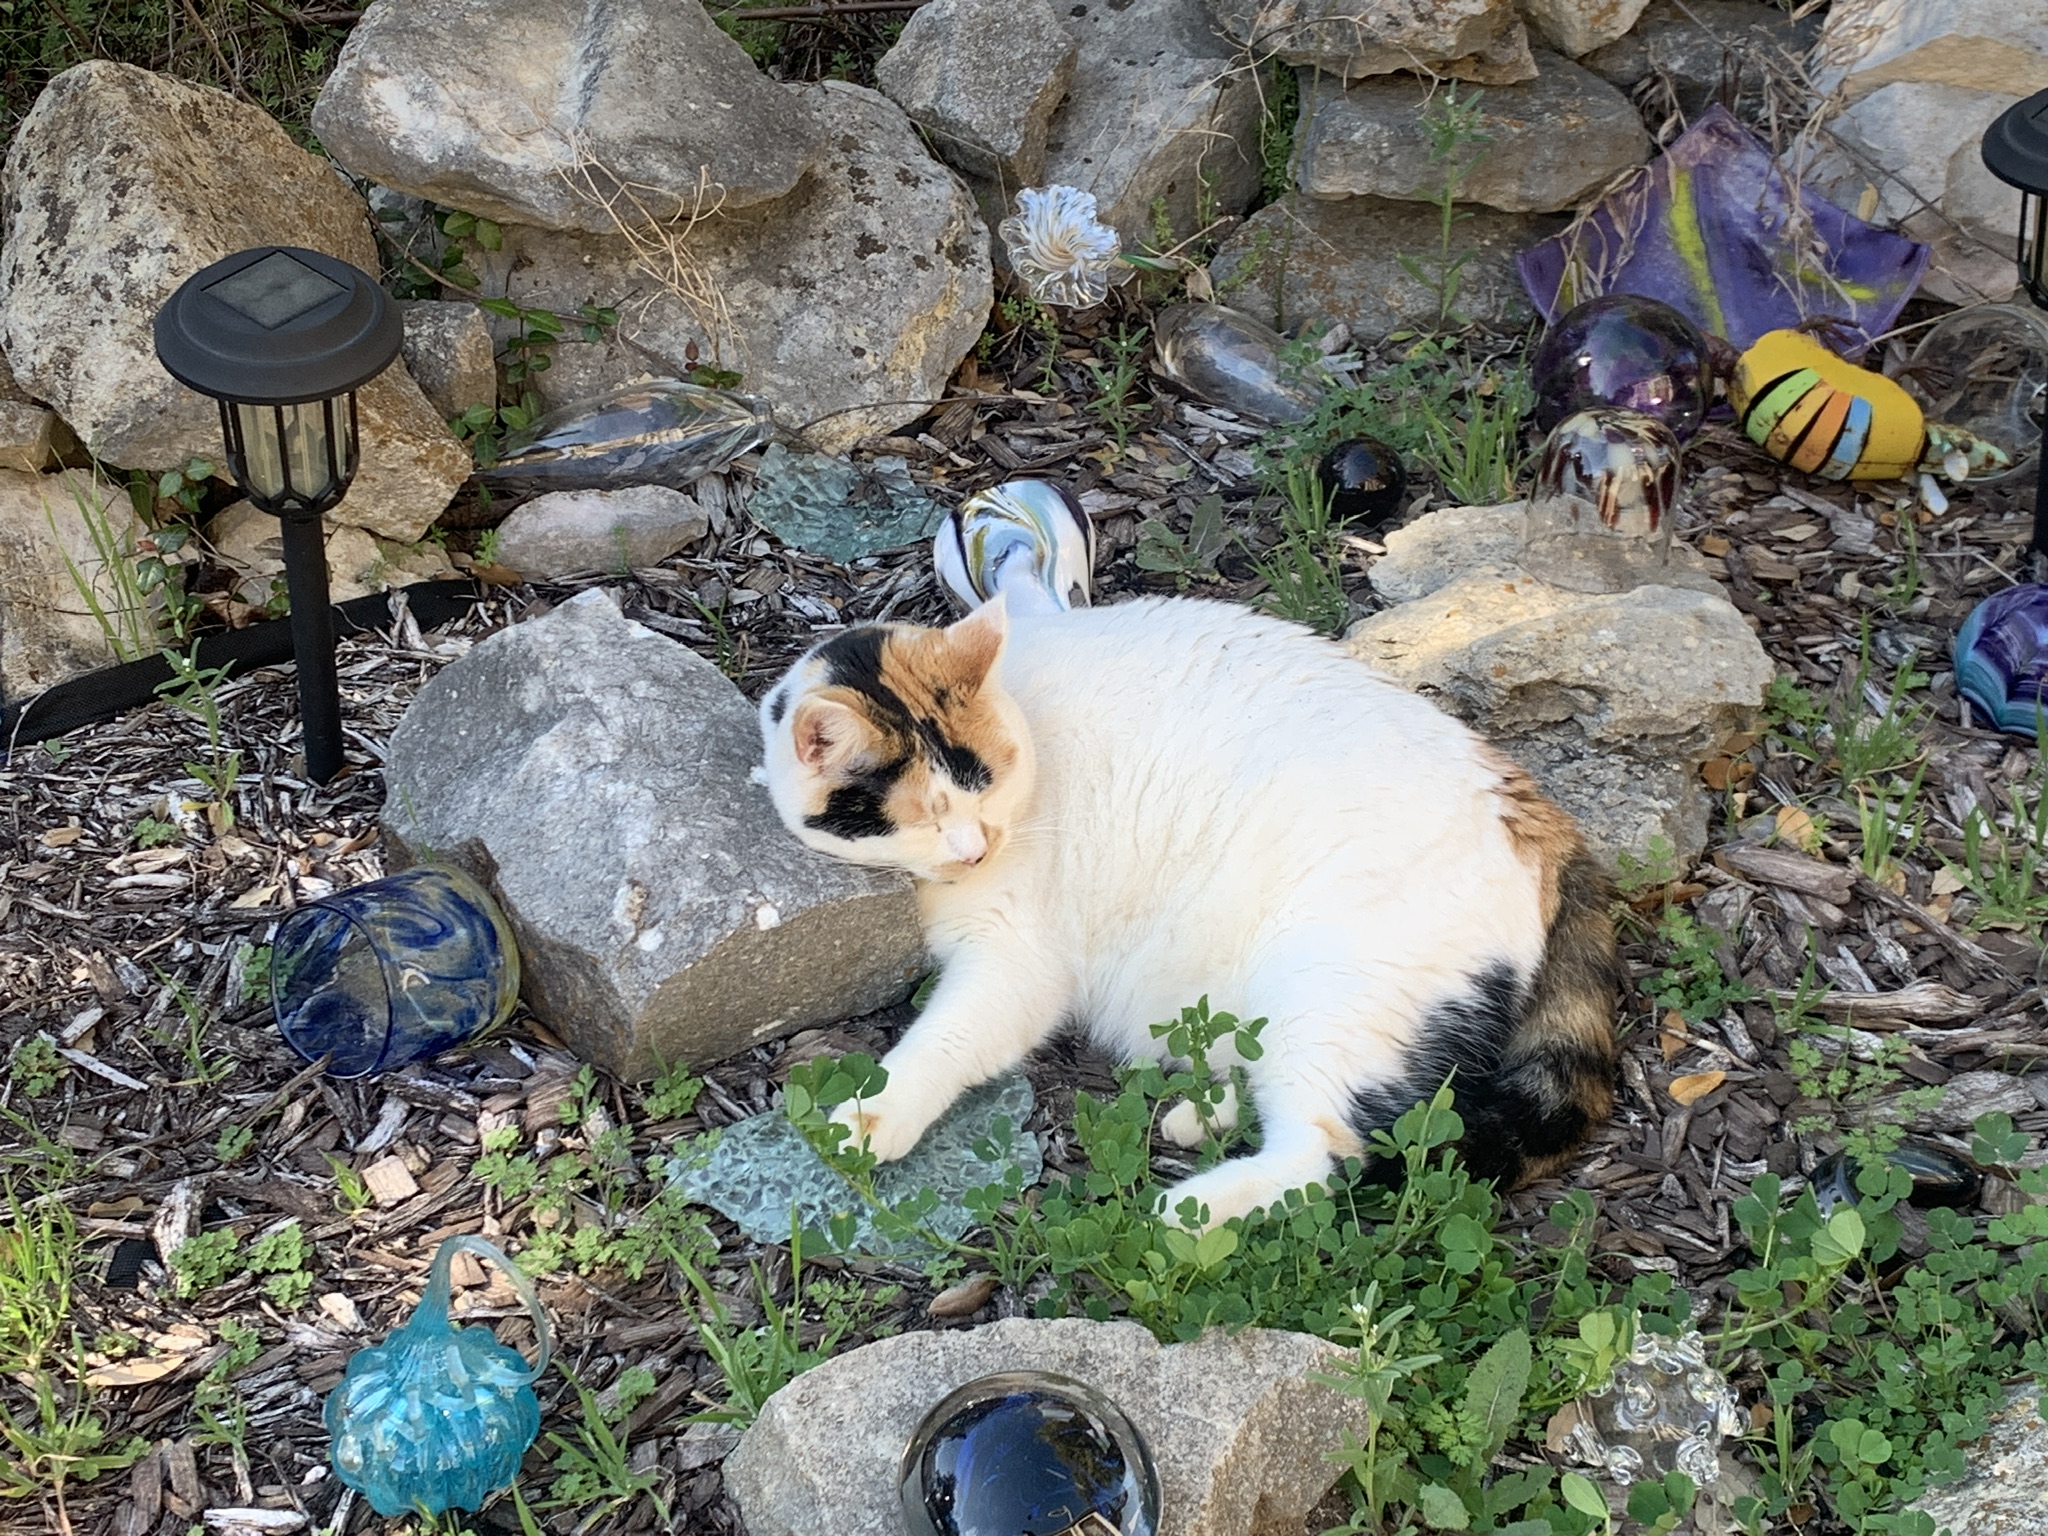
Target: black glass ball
1626 353
1940 1177
1028 1453
1364 481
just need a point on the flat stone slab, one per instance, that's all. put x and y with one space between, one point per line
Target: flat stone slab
598 778
762 1171
1239 1433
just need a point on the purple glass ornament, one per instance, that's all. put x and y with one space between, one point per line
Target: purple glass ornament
1710 227
1629 353
1599 517
2001 657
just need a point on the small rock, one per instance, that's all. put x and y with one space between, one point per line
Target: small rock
598 776
1550 143
1612 701
1481 40
2004 1490
28 436
1706 50
94 244
565 532
1240 1435
1454 542
495 109
48 632
250 542
1575 27
1340 261
850 302
449 355
964 1299
982 78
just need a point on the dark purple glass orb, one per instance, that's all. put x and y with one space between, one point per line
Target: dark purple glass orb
1628 353
1028 1453
2001 656
1364 481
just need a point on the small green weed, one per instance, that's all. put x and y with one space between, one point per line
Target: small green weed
593 1471
1654 871
672 1095
1113 381
195 690
1891 825
757 1362
1693 981
36 1067
1303 572
351 1193
38 1260
232 1142
2005 861
1453 128
281 1259
1188 559
61 1442
152 833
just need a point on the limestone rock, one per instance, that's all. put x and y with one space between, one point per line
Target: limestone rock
448 352
496 107
1455 542
1481 40
1704 50
48 631
1238 1432
598 777
1161 112
28 436
1612 701
564 532
1921 84
2004 1491
1575 27
1305 258
982 78
248 542
94 243
857 293
1552 142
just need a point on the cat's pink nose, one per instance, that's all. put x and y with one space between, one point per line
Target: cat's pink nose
968 845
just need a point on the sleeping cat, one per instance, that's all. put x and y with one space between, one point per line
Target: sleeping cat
1115 811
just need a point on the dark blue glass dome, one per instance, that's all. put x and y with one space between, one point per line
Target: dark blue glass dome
1027 1453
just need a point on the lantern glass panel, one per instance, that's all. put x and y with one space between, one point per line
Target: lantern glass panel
2034 246
298 454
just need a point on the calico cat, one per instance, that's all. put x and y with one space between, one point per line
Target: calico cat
1116 811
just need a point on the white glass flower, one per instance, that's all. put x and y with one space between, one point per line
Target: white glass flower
1058 248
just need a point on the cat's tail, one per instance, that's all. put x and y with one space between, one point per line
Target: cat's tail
1554 1083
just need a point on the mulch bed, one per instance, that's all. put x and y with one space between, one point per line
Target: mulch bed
108 949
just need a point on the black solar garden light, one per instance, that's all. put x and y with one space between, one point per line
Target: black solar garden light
2016 152
283 338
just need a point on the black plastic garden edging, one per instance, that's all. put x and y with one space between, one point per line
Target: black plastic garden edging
102 695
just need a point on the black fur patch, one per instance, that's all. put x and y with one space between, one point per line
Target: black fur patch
963 765
777 708
857 810
1467 1035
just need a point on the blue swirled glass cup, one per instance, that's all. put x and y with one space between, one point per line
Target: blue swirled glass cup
393 971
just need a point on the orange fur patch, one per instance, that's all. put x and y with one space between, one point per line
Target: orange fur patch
1542 832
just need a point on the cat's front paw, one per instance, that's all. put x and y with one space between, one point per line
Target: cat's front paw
888 1124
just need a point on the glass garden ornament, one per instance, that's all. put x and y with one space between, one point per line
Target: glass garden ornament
1664 1410
1628 353
664 432
1064 255
438 1417
1985 370
1229 359
2001 657
1599 516
393 971
1940 1177
1028 1453
1029 540
1364 481
2015 150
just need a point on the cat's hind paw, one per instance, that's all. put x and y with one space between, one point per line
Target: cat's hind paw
1182 1125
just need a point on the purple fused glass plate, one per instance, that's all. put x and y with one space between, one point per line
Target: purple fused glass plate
2002 658
1712 228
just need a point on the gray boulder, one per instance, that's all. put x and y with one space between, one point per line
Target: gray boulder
1482 40
50 557
598 777
1239 1433
1703 50
2004 1491
535 112
1575 27
849 303
1552 142
1612 701
982 78
95 242
564 532
448 352
1306 258
1162 116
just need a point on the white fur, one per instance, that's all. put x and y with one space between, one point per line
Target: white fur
1220 806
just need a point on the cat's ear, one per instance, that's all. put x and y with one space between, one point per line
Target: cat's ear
976 641
829 736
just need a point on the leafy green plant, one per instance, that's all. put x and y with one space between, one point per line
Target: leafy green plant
152 833
195 690
38 1260
36 1067
1188 559
282 1260
1113 381
1280 106
1303 572
756 1362
205 1260
124 617
351 1191
1891 825
2003 865
1453 128
593 1471
233 1141
673 1094
1693 981
1658 868
59 1443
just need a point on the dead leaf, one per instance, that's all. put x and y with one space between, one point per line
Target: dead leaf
1722 772
62 837
1797 827
964 1299
1946 883
134 1373
1713 544
1672 1037
1695 1086
1557 1434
